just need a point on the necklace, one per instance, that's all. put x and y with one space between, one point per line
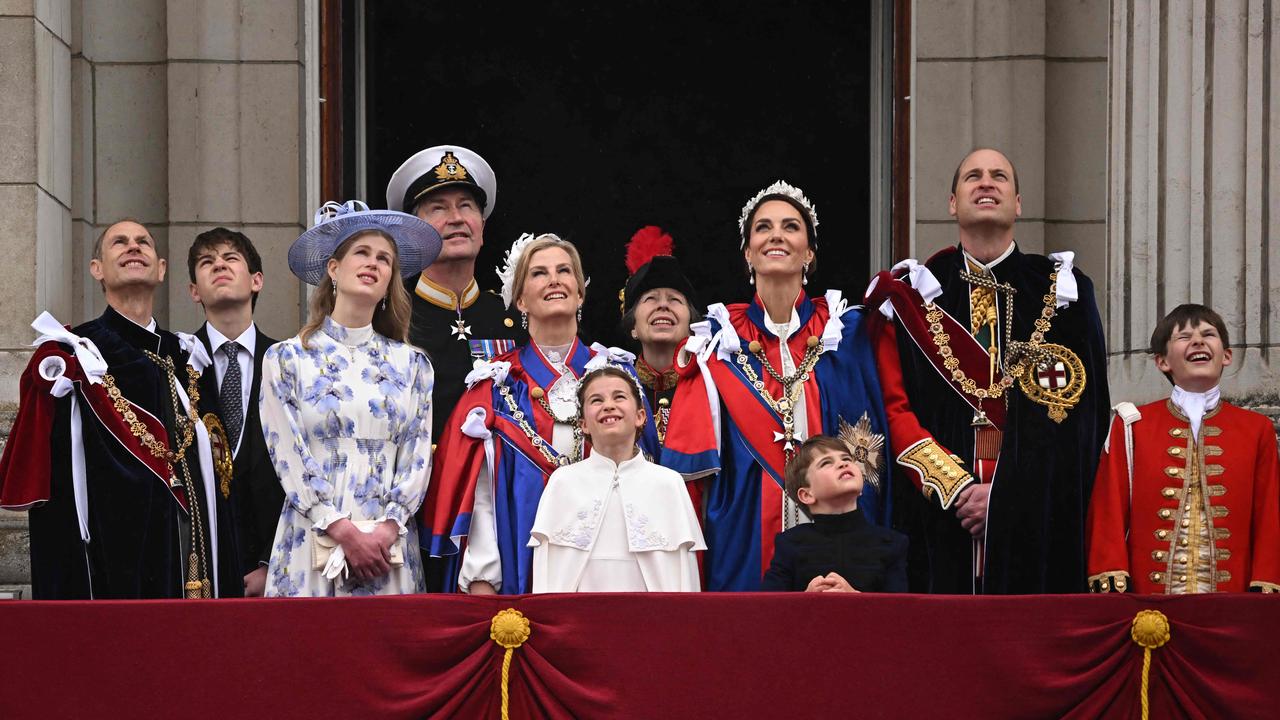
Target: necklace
542 446
139 429
1019 356
792 386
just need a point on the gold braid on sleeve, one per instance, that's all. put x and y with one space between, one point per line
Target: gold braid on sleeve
940 472
1110 581
1264 586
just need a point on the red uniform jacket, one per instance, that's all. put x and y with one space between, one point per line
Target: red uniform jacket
1238 475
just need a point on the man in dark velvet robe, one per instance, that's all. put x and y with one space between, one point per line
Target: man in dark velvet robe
225 270
104 455
999 420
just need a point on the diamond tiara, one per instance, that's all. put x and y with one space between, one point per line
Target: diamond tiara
781 187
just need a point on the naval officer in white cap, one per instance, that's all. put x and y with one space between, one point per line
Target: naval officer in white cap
454 319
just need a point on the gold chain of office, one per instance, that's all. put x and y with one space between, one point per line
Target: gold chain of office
139 428
1025 355
540 444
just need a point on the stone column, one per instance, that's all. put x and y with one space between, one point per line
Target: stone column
183 114
1027 77
235 139
1191 165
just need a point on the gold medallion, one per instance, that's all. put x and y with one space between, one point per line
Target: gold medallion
223 462
1056 381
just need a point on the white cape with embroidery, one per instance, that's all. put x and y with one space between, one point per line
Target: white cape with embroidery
658 523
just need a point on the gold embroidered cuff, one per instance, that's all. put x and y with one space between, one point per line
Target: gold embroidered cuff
939 471
1264 586
1111 581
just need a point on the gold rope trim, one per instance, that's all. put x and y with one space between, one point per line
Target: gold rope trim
1150 630
510 629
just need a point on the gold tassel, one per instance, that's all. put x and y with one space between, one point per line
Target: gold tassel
510 629
1150 630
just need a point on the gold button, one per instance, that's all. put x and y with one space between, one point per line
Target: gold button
1168 492
1186 523
1158 555
1176 432
1171 471
1182 542
812 341
1175 451
952 474
508 322
1181 558
536 393
1162 534
754 346
1182 578
1166 513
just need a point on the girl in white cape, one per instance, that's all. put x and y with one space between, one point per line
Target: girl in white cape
614 522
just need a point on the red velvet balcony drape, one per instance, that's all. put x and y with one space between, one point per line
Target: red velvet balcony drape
650 656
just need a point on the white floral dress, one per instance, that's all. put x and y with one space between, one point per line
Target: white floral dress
348 424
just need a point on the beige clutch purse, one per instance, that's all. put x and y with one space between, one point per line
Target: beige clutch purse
322 546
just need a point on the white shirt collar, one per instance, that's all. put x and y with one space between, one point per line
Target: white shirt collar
247 340
987 266
783 330
1194 405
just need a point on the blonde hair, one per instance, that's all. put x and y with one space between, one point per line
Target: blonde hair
542 242
391 322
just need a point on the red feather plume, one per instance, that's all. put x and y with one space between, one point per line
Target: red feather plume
648 242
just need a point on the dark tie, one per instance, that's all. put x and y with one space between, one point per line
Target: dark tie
229 395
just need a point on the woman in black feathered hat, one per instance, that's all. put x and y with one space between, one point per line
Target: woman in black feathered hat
658 306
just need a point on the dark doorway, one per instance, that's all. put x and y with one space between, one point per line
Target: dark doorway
601 118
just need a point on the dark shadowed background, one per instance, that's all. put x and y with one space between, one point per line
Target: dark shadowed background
601 118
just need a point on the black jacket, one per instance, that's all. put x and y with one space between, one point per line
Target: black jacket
869 557
256 495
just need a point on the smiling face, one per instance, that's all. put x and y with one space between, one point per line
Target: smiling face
835 480
365 267
662 317
458 217
778 242
550 286
611 411
223 278
127 258
985 191
1194 357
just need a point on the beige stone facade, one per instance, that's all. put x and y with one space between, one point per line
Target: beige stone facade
1141 131
184 114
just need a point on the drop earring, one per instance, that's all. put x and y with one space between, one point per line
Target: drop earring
524 320
579 313
805 275
384 303
751 274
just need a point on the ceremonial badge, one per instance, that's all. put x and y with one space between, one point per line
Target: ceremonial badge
1056 381
864 446
450 169
223 461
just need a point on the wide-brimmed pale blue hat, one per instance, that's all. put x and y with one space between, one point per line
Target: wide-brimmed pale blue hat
417 243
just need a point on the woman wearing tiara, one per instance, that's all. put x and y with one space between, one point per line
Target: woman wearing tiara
516 423
758 378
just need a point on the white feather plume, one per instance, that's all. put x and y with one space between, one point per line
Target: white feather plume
507 273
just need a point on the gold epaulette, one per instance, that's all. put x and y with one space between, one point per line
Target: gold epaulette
1264 586
940 472
1112 581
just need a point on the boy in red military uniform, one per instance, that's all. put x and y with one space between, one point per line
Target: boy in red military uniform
1187 497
